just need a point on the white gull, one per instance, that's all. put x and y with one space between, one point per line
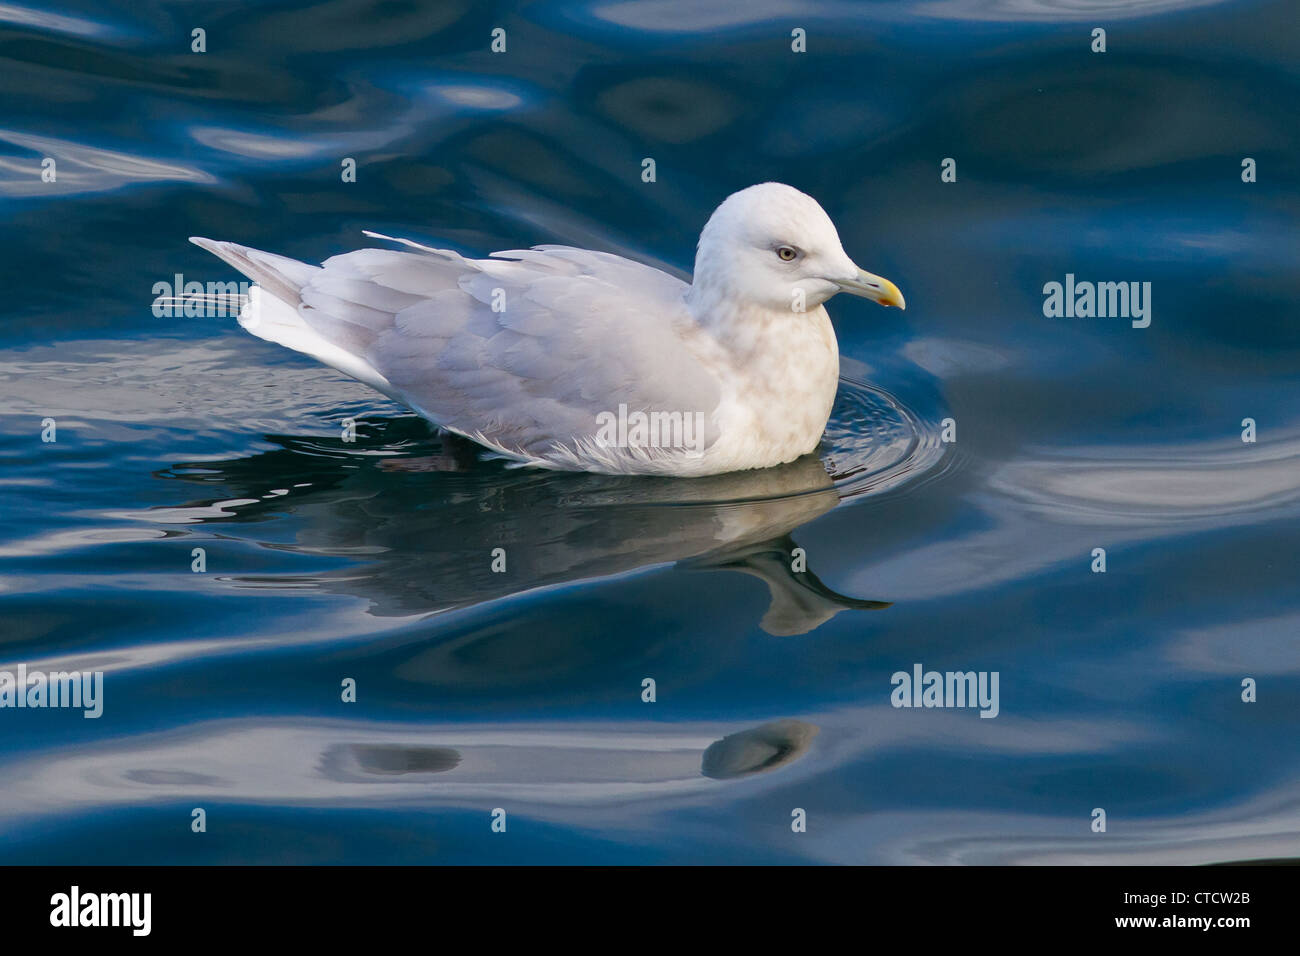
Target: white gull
586 361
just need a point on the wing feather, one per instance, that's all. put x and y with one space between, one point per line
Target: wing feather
525 349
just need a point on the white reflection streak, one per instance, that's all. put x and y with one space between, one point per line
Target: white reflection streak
84 169
1266 826
713 16
554 767
54 22
1122 496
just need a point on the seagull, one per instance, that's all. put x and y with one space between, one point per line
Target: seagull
570 359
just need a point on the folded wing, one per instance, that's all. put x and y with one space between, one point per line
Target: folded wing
524 351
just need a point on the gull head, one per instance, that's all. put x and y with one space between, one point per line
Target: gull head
774 247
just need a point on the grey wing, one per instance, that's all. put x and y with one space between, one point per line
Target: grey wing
526 350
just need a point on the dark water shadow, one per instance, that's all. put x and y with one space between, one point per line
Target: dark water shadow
433 525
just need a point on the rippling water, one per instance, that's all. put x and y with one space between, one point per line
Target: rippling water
370 560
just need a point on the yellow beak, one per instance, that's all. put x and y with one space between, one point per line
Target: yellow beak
873 287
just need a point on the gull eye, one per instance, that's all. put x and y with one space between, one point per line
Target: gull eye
787 253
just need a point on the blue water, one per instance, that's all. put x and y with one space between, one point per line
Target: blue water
329 560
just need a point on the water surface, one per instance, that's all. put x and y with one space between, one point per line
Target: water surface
371 560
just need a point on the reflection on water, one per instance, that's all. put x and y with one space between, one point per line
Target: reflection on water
372 560
550 528
300 763
1092 11
403 491
81 169
758 750
711 16
1117 496
1160 484
361 760
636 778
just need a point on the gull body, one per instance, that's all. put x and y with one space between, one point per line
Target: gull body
537 353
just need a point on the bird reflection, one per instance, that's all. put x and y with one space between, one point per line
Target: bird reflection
758 749
360 761
439 528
